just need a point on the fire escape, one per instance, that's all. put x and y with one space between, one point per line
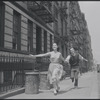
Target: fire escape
42 9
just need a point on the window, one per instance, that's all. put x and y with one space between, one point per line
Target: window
66 27
38 39
16 30
56 27
34 38
62 50
30 36
50 42
1 24
45 41
62 26
55 12
56 2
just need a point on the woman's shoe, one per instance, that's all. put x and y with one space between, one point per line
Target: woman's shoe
55 92
58 89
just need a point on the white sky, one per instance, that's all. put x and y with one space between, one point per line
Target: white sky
91 9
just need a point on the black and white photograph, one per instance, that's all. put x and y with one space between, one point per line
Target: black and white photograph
49 49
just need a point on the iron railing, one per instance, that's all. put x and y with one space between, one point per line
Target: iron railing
12 71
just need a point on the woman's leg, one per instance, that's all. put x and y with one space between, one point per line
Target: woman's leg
55 80
58 88
54 86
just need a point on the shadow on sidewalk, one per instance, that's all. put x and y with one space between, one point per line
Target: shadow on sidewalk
65 91
81 87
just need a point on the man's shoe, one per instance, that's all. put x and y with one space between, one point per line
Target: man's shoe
75 87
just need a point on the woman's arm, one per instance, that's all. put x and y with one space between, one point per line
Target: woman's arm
40 55
62 58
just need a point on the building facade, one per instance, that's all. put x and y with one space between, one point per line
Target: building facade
22 31
79 34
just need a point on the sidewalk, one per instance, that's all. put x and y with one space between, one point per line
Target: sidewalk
87 90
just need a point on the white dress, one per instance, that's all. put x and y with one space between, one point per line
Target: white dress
55 68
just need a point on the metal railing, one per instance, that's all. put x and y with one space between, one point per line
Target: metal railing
12 71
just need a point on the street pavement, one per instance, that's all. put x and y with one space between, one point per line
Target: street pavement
88 89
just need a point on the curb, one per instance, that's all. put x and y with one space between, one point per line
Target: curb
12 93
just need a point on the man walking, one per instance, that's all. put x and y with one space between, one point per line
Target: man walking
73 59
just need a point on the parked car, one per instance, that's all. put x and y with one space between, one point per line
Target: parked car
98 68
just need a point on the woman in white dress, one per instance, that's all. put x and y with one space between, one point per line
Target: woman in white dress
55 68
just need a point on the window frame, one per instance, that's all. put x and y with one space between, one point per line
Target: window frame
30 36
16 32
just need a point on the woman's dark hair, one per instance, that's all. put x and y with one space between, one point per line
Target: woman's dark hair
57 45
